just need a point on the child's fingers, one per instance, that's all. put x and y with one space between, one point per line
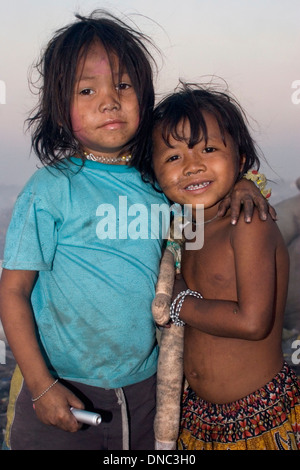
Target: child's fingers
224 206
272 212
74 401
247 204
263 207
248 208
54 408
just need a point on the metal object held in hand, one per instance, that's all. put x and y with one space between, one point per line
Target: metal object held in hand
86 417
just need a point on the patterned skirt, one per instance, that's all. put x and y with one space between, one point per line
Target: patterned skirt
268 419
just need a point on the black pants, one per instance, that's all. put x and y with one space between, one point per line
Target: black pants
29 433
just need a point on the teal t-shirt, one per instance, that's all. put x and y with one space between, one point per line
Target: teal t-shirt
90 234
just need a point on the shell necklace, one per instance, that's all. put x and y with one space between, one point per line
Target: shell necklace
102 159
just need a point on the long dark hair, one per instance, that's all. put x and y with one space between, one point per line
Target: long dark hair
52 136
189 102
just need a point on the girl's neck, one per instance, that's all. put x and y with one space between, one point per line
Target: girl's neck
208 215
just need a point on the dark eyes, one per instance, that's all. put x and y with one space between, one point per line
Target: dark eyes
173 158
86 92
123 86
120 87
205 150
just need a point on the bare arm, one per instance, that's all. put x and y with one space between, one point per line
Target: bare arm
247 196
251 315
18 323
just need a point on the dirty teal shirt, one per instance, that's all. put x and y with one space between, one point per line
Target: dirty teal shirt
88 233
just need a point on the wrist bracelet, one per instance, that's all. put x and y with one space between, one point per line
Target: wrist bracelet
45 391
177 305
259 180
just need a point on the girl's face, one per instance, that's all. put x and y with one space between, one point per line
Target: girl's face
204 174
104 109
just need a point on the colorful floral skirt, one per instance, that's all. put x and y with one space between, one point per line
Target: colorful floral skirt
268 419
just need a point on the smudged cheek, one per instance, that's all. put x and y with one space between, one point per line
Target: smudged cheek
81 137
79 132
137 122
76 120
78 126
170 187
135 116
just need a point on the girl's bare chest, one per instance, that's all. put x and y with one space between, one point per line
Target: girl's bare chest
211 270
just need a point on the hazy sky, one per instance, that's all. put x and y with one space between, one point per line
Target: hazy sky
253 44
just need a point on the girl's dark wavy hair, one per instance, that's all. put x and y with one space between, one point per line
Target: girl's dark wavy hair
188 103
50 123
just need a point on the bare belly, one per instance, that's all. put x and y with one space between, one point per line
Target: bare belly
222 370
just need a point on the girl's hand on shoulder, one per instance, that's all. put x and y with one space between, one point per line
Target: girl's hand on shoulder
245 195
53 408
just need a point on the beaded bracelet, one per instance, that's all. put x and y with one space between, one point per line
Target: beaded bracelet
45 391
174 247
177 305
259 180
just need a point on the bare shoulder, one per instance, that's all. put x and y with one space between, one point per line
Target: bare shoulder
260 243
266 230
